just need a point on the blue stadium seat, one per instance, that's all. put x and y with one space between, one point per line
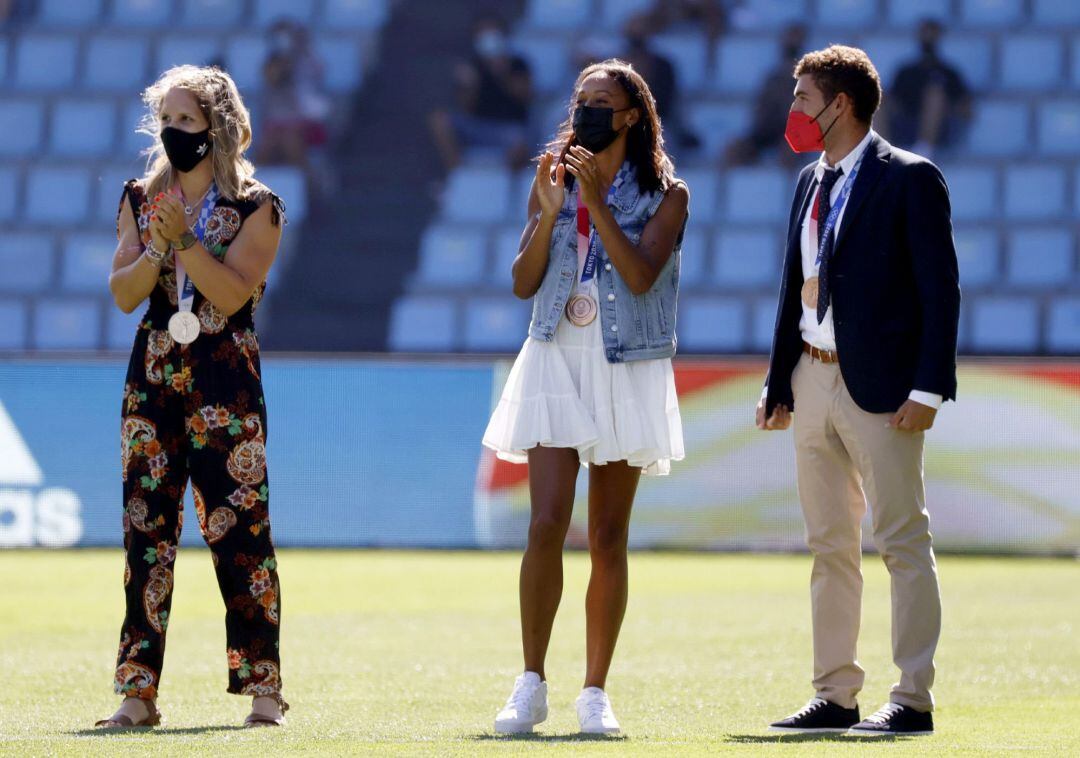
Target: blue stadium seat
742 63
717 124
518 207
1063 326
188 49
615 13
763 326
22 123
84 13
910 12
973 191
355 14
57 196
27 262
290 185
133 142
548 57
771 14
712 324
704 190
973 56
1000 128
452 256
746 259
343 58
141 13
504 249
688 53
497 325
13 321
45 62
992 12
1005 324
1059 127
244 58
695 255
4 47
1032 62
221 14
83 128
85 262
68 324
477 193
9 192
558 14
1056 13
847 14
1034 192
120 327
889 53
978 252
422 323
1041 257
757 194
109 183
269 11
116 64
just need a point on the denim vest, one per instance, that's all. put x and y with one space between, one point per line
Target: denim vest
634 327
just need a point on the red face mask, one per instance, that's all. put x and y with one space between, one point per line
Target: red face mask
803 132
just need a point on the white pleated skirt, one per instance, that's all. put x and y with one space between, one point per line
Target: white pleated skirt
564 393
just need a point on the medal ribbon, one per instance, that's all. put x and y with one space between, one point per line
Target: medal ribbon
834 212
587 242
185 288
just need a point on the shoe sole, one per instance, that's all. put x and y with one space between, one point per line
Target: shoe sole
519 727
875 733
796 730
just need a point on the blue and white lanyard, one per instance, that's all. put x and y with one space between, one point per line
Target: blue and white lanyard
588 270
185 285
834 212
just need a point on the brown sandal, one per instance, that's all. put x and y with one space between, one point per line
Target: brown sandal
122 721
258 719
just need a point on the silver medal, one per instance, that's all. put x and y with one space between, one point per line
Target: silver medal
184 327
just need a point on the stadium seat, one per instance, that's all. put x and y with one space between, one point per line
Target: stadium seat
1032 62
244 58
742 63
141 13
85 262
999 129
116 64
188 49
911 12
973 191
343 58
27 262
558 14
496 324
846 14
757 194
770 14
132 141
1063 326
84 14
120 327
290 185
355 14
763 315
1059 127
4 47
973 56
212 13
420 323
22 123
717 124
109 184
978 252
477 193
504 249
517 208
83 128
712 324
983 13
13 322
1060 14
1041 257
695 255
889 53
703 185
746 259
9 192
615 13
453 256
45 62
1004 324
68 324
688 53
1034 192
269 11
548 56
57 196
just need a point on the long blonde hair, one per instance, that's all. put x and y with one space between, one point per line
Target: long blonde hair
230 130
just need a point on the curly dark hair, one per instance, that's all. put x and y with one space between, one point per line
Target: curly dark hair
839 68
644 140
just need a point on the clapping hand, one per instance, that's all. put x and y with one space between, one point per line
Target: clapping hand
549 188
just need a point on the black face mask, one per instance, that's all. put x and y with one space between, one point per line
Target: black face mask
185 150
592 127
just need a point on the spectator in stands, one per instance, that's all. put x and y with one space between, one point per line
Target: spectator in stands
593 383
708 16
494 91
930 104
197 236
766 130
658 71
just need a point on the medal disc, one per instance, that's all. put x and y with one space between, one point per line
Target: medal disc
184 327
810 292
581 310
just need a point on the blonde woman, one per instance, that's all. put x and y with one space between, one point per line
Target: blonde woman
197 236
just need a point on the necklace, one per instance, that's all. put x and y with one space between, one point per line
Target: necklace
189 209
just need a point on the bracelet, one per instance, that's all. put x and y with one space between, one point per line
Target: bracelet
155 256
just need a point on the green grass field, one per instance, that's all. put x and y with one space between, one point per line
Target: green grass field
396 653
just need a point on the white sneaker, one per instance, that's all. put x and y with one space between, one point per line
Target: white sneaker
594 712
526 707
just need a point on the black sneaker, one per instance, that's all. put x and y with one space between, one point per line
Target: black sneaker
895 719
818 716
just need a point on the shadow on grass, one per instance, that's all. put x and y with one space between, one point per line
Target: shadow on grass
164 730
535 737
765 739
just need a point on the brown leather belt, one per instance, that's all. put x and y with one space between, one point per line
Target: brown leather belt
825 356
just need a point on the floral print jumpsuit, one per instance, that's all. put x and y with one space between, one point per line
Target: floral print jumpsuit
197 411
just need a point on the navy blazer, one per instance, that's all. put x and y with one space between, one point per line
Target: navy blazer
894 282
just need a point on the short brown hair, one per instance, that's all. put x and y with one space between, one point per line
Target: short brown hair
839 68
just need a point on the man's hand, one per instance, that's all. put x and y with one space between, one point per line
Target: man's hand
779 420
913 416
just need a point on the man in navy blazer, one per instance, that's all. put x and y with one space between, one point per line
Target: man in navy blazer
864 354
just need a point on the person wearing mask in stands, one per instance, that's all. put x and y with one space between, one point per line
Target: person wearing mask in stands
197 236
593 384
658 71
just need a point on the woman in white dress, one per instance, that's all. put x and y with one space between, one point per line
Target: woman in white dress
593 384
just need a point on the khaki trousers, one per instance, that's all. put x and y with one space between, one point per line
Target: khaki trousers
847 458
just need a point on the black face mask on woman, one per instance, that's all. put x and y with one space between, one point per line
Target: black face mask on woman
185 150
592 127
